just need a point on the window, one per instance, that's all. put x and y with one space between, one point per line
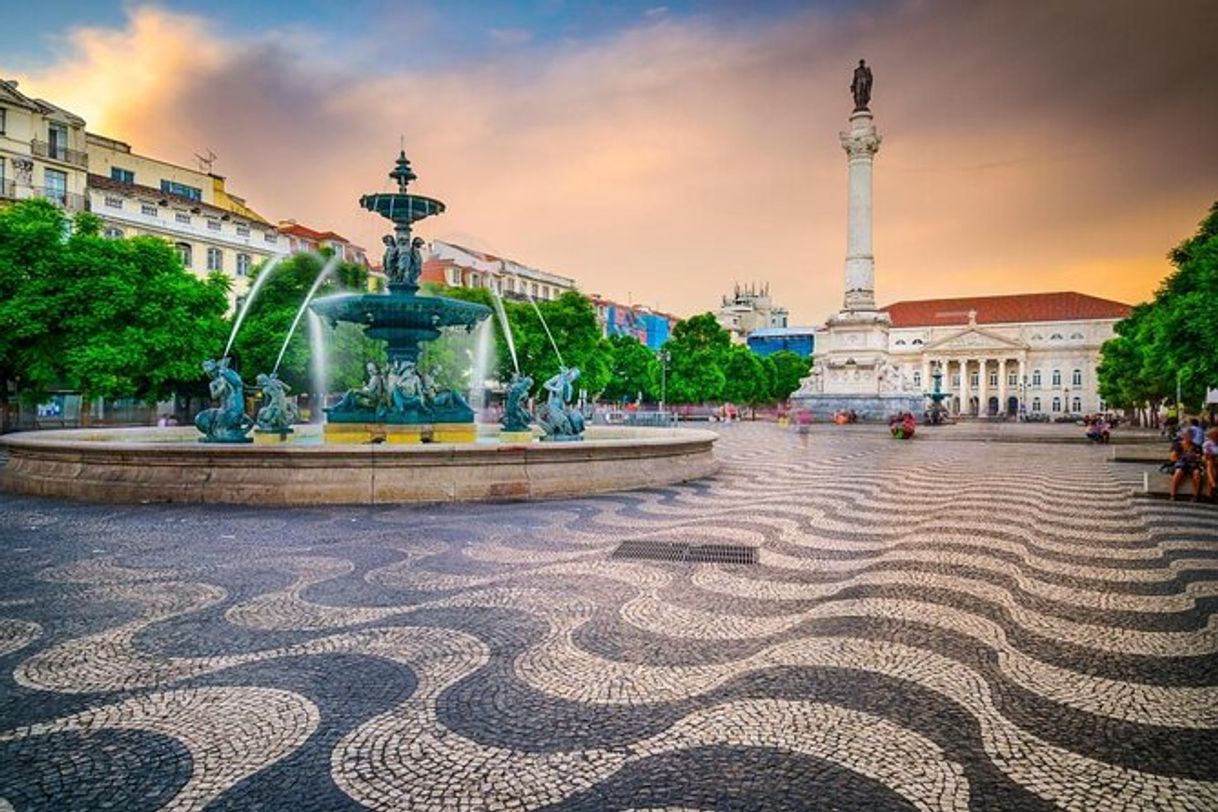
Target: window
973 379
215 259
1077 378
917 378
1076 406
243 231
533 288
1076 336
56 184
122 175
956 381
994 378
148 209
1055 337
185 253
1057 378
243 264
900 342
1057 404
1037 337
3 118
214 225
1 164
113 202
57 138
1036 404
112 233
181 189
269 237
918 341
182 217
1036 377
1012 379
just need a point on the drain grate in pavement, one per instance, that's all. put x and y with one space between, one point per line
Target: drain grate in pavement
678 551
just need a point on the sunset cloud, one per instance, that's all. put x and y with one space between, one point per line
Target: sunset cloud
1027 146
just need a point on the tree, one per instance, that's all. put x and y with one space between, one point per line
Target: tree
633 369
787 370
1172 340
112 318
745 377
270 316
699 349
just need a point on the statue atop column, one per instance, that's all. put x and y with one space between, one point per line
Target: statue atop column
860 87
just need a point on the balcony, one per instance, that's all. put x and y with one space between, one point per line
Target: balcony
58 152
69 201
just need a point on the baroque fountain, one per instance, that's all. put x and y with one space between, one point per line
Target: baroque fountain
398 438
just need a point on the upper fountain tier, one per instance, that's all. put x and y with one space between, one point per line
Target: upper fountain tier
403 319
400 206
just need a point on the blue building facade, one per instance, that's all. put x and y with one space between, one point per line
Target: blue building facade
649 327
769 340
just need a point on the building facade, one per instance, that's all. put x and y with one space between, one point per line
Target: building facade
42 151
212 229
749 308
457 266
1030 354
769 340
651 327
304 239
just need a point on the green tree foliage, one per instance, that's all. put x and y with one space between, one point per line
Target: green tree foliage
786 370
746 382
112 318
1175 336
699 349
633 369
270 316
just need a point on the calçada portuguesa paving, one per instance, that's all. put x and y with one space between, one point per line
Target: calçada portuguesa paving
929 625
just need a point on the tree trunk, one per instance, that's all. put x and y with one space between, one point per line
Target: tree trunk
85 408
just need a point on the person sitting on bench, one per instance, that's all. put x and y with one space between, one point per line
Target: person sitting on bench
1187 465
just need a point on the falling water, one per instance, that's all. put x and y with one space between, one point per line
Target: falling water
330 265
507 330
545 326
264 275
484 362
317 360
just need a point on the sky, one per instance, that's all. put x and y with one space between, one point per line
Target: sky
661 153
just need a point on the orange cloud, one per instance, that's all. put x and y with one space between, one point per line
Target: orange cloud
1026 147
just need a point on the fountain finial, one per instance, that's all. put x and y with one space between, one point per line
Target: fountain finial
402 172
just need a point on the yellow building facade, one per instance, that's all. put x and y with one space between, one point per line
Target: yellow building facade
212 229
42 150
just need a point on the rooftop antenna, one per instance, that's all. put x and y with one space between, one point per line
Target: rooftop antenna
206 161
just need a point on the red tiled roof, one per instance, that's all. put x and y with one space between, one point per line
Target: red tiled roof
297 230
1062 306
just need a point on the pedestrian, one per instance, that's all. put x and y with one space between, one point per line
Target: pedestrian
1209 459
1187 465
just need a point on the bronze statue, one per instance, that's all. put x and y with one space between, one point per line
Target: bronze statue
227 423
415 267
557 419
515 416
279 413
389 263
861 86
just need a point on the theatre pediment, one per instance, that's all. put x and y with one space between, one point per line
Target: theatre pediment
975 338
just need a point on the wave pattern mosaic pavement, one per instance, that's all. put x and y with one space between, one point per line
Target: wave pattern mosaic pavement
934 626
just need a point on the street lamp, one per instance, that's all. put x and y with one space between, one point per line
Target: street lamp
665 356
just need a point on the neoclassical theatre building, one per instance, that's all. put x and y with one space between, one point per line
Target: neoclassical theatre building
1033 353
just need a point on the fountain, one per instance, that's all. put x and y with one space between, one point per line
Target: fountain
398 438
936 414
397 405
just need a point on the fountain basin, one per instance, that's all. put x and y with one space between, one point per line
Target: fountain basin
169 465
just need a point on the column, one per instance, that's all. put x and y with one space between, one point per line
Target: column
983 387
861 143
1023 384
963 386
1002 386
927 381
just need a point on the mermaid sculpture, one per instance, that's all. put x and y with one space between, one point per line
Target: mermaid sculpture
515 416
227 423
560 421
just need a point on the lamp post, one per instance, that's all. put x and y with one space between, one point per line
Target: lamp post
665 356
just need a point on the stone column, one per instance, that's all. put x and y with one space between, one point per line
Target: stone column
1023 382
861 143
963 386
1002 386
927 381
983 387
